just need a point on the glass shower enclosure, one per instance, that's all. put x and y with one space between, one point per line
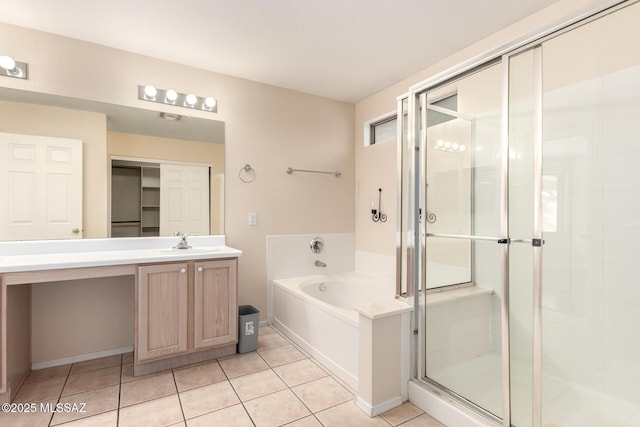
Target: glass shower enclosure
520 229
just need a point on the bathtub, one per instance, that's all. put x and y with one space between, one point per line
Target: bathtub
317 313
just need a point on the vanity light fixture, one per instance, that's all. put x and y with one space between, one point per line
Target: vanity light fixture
150 93
209 103
190 100
11 68
171 97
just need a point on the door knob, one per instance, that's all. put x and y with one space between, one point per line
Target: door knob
75 230
200 269
183 270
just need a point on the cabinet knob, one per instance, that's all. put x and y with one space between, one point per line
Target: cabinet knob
200 269
75 230
183 270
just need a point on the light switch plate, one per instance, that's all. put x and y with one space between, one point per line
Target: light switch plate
253 218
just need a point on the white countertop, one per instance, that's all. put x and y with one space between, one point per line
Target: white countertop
377 310
59 254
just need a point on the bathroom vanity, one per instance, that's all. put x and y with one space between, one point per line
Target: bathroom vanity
185 299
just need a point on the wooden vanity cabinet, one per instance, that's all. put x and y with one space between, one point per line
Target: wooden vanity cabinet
185 307
161 310
215 307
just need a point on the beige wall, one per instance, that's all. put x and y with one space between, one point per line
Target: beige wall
268 127
376 166
79 317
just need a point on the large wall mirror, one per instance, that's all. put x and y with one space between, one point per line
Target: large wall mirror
112 136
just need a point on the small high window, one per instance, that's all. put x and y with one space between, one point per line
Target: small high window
381 130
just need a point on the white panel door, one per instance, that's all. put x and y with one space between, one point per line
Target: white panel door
40 187
184 199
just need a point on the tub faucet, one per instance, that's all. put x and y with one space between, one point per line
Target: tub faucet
320 264
182 244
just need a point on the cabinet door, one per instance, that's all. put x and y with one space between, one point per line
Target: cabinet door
161 310
215 309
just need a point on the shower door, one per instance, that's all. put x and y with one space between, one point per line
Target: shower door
462 193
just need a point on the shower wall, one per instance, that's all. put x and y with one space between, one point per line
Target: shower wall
589 188
591 297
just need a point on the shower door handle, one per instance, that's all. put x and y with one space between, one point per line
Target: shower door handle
532 242
465 237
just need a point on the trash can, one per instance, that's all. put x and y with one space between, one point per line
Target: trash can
248 325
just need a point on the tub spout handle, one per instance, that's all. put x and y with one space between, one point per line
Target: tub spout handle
320 264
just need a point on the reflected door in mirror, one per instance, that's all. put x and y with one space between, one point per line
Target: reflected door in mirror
40 187
184 199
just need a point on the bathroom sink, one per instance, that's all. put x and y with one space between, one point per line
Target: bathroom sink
192 250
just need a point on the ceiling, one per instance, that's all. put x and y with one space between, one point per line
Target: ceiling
340 49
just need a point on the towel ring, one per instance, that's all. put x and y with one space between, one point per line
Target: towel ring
247 174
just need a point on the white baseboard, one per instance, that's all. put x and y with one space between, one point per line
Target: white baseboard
90 356
374 411
336 369
81 358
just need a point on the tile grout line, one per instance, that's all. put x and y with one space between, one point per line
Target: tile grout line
175 384
66 379
119 391
236 393
313 414
309 358
290 389
269 367
94 389
327 374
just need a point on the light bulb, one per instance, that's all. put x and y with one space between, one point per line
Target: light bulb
454 145
440 143
150 92
447 144
209 102
191 100
170 96
463 147
7 63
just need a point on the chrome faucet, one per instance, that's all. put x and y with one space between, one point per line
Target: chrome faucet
320 264
182 244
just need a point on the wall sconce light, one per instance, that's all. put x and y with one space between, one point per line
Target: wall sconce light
11 68
376 214
171 97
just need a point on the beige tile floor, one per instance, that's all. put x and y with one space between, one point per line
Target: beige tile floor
277 385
